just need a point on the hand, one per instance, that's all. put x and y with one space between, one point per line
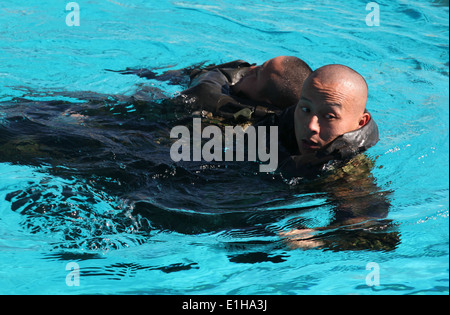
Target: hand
301 238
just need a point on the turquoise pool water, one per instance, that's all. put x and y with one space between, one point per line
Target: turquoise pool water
212 232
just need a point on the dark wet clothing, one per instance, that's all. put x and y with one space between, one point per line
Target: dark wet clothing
211 89
118 148
341 149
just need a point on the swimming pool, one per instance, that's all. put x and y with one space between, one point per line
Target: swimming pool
212 231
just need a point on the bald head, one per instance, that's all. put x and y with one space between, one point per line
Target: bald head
346 83
332 103
284 87
278 81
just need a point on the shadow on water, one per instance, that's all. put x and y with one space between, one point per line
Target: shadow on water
111 183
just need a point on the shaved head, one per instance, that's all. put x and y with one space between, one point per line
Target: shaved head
346 81
332 103
283 89
278 81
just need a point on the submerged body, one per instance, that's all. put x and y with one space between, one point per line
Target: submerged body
122 145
